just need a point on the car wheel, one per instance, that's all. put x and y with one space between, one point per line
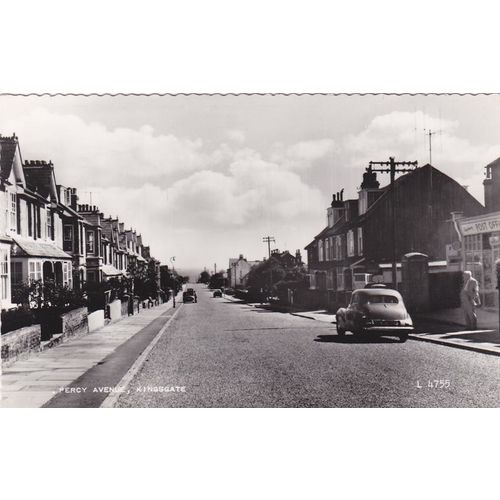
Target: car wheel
403 337
340 330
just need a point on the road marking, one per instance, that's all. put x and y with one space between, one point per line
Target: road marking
113 397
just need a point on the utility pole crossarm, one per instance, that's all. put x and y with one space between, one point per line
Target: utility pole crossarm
268 240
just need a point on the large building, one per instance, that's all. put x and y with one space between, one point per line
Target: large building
356 245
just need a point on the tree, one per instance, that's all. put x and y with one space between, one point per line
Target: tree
216 281
204 277
277 275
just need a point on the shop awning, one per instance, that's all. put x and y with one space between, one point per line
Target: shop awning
111 270
34 248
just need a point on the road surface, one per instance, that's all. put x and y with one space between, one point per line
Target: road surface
222 353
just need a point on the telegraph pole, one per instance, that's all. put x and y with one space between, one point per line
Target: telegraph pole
268 240
393 168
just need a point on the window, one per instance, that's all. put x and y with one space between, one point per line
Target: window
49 225
67 274
339 252
16 272
38 229
4 274
90 241
360 241
340 278
13 212
68 238
320 250
35 270
327 249
350 243
30 219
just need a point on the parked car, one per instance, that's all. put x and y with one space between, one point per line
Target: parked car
217 293
189 296
376 310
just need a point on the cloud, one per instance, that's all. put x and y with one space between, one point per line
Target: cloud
302 155
235 135
402 134
82 150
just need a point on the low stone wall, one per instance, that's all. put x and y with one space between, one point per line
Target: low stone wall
20 342
115 310
125 307
137 306
75 322
96 320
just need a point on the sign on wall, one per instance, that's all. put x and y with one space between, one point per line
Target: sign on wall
484 225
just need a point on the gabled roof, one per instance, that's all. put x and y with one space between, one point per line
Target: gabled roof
8 148
10 158
40 178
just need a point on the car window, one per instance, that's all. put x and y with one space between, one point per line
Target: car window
382 299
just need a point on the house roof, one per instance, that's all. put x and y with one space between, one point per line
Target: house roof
342 226
8 146
494 164
109 270
31 248
40 178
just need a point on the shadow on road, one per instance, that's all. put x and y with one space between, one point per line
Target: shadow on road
353 339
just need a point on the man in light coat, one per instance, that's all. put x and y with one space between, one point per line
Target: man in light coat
469 299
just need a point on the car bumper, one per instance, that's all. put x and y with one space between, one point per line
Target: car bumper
387 329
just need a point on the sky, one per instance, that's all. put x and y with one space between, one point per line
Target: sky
205 178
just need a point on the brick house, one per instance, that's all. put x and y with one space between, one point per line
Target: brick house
93 235
356 243
74 232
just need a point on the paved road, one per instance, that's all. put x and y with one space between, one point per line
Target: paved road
220 353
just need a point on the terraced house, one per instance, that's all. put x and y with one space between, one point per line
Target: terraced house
31 222
46 234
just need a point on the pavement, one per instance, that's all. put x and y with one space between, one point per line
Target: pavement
94 361
435 327
222 352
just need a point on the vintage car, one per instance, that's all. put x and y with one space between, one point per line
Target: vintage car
189 296
217 293
376 310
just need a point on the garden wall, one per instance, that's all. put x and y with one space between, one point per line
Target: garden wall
115 310
19 342
96 320
75 322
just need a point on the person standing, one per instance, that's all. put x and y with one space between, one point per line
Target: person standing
469 299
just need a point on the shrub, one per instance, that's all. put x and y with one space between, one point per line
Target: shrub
16 318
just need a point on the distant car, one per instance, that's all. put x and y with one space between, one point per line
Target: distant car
189 296
217 293
375 310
